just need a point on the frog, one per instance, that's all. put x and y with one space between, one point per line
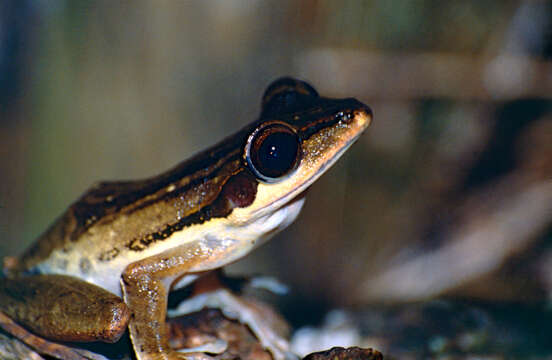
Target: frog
108 263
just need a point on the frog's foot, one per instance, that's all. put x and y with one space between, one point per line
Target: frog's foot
265 324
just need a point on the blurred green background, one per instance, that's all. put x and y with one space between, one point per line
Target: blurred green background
449 193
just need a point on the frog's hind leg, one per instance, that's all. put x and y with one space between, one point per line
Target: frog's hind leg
43 346
61 308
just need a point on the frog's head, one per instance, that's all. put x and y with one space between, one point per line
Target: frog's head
298 137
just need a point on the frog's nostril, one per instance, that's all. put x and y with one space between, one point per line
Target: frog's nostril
344 116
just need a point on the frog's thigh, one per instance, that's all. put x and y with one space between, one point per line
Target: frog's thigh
145 286
64 308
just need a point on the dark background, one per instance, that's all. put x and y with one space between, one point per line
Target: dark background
448 194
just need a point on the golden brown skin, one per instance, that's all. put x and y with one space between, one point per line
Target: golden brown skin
138 239
72 303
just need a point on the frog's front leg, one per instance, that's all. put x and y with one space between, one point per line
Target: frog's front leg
145 286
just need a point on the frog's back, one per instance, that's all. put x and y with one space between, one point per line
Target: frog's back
113 219
97 206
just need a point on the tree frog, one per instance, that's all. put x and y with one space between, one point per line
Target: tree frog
108 263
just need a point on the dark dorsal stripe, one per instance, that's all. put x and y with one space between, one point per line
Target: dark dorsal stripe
107 201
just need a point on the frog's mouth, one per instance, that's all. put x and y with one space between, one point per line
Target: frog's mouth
300 191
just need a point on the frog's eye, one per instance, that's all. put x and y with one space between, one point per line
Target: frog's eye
287 95
273 151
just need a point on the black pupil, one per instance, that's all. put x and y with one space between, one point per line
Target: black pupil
276 153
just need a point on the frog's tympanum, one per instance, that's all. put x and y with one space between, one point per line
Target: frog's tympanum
108 263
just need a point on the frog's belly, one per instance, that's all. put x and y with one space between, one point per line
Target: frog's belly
218 244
